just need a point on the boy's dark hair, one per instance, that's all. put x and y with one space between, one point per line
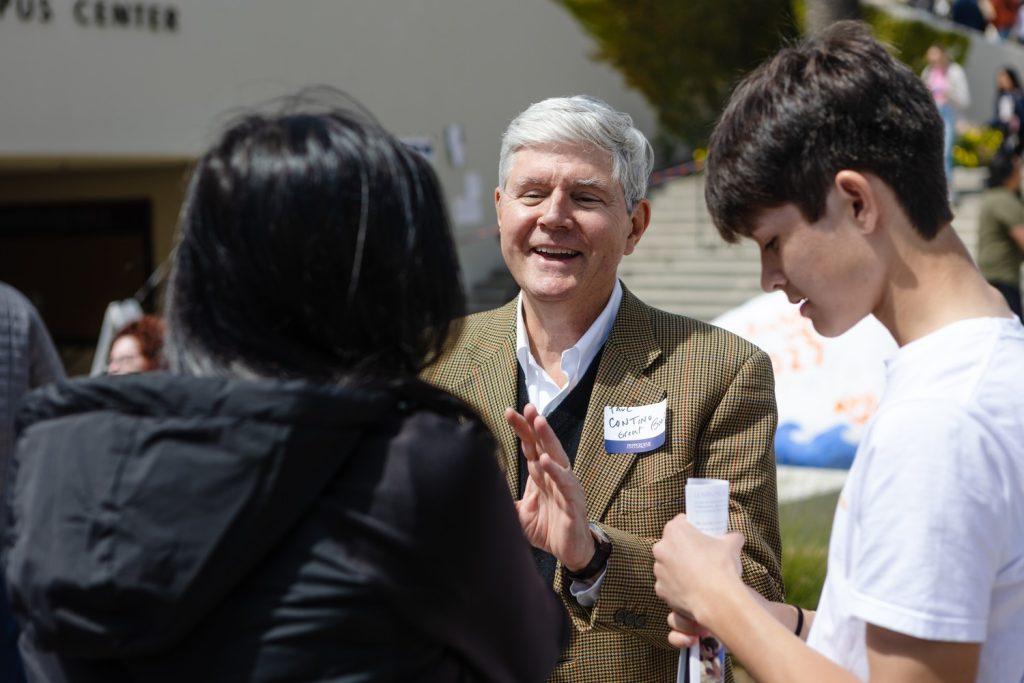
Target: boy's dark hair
835 101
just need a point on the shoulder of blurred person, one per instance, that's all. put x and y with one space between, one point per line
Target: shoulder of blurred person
968 13
32 349
28 359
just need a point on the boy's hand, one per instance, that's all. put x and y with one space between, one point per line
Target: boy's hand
684 632
691 568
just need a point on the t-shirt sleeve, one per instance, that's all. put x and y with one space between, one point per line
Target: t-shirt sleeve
929 524
1009 211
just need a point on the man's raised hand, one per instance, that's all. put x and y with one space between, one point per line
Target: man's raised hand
553 510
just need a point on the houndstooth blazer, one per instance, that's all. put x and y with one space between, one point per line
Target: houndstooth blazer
721 423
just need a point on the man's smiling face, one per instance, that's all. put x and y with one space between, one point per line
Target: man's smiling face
564 223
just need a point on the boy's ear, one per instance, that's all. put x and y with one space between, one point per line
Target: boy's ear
861 199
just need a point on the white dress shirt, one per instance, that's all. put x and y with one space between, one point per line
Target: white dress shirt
546 395
542 391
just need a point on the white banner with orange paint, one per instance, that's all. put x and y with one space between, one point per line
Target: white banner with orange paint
827 389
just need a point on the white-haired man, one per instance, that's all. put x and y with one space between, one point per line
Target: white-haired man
614 404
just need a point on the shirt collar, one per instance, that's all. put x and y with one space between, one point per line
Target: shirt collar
586 347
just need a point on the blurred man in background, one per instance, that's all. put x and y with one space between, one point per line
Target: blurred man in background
1001 228
28 359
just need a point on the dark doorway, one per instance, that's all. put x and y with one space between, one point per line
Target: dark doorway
72 259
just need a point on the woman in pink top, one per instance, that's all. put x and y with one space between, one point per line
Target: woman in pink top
948 84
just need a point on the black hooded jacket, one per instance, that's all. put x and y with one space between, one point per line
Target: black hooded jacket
167 528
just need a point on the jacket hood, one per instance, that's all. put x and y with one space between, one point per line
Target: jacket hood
137 502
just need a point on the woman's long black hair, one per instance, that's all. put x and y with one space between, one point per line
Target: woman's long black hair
316 246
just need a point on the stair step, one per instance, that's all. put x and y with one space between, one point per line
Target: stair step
684 241
680 279
664 297
705 312
633 266
694 254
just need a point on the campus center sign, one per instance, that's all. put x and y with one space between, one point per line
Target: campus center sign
154 17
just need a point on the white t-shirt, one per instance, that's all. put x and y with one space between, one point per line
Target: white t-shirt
928 537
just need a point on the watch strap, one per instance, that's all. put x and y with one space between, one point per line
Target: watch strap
602 552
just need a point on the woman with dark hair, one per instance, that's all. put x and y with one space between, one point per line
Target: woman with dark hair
292 503
137 347
1008 108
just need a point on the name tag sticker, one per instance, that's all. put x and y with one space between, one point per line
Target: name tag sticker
634 429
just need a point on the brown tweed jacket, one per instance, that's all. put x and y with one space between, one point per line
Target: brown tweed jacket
721 423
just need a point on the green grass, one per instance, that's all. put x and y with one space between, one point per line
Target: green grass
806 526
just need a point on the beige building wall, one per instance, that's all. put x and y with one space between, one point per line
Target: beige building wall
74 90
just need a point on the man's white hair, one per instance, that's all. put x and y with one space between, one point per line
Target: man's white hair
588 120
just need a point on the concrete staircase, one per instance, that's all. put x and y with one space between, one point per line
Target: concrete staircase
970 184
682 265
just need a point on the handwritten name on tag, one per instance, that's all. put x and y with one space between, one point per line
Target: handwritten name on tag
634 429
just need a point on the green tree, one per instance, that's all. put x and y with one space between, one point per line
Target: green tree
910 39
684 56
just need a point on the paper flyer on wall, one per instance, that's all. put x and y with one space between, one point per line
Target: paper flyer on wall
707 508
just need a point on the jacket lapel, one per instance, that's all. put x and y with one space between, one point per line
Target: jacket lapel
629 351
491 383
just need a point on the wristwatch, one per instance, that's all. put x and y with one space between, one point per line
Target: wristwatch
601 554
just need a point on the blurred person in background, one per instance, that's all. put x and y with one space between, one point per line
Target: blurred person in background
1008 108
973 14
1018 28
138 347
290 502
1001 228
28 359
1004 16
947 83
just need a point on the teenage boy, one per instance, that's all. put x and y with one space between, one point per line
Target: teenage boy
829 156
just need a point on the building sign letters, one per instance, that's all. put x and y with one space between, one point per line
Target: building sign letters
102 14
